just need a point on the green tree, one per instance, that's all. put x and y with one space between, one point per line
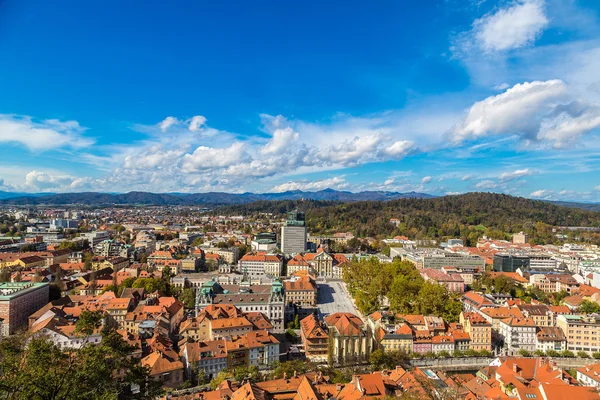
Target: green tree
524 353
201 376
188 298
583 354
5 275
589 307
221 376
35 368
567 353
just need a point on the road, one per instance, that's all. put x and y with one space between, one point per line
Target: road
333 298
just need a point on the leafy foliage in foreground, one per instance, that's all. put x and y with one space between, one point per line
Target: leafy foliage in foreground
33 368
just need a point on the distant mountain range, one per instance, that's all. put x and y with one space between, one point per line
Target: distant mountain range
188 199
213 199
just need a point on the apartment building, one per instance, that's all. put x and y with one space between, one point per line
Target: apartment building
582 331
229 255
315 338
479 329
589 375
518 334
551 338
540 313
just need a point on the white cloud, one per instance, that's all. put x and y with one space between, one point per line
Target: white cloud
511 28
391 180
501 86
486 184
426 179
542 193
519 173
467 177
569 123
399 149
352 152
597 187
167 123
196 122
39 180
282 140
519 110
154 157
45 135
204 158
330 183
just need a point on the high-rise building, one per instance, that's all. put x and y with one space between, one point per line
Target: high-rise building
293 234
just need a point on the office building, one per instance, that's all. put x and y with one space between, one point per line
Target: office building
505 262
293 234
436 258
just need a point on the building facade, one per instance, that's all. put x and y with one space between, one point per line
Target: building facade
18 300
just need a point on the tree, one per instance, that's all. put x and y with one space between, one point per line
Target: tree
221 376
589 307
485 353
552 353
596 355
251 374
444 354
278 369
457 353
87 264
35 368
5 275
524 353
539 353
201 376
567 353
188 298
583 354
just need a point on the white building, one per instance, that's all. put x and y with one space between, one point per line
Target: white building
518 334
261 264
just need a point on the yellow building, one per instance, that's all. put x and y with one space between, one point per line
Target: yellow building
478 329
582 332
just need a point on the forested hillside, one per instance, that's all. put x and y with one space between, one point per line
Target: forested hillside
467 216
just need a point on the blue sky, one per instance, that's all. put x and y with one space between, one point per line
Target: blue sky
440 97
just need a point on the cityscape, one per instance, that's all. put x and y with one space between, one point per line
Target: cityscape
300 200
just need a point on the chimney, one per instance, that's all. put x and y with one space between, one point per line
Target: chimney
515 368
338 387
